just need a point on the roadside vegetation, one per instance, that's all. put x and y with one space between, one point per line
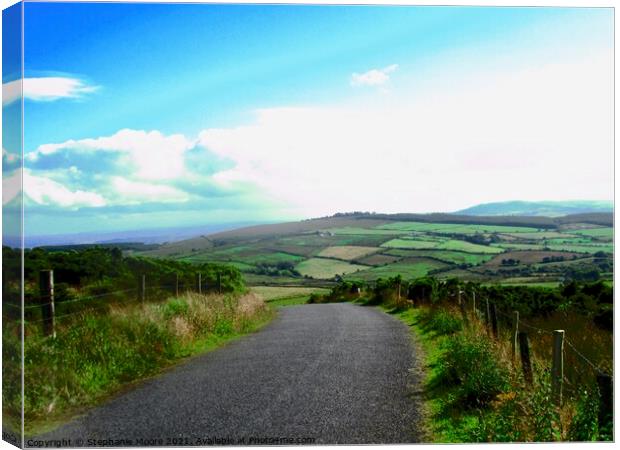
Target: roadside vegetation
107 340
475 388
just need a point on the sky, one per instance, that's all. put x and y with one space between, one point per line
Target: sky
158 115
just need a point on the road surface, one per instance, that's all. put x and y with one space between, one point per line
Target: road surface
319 374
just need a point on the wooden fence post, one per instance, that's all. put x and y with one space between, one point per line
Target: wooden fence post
199 282
524 349
473 296
515 331
48 310
494 319
462 308
487 317
219 283
176 285
142 288
557 366
605 389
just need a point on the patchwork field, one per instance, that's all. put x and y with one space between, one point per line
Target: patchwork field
347 252
324 268
316 252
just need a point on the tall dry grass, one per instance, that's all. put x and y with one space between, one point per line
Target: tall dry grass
95 353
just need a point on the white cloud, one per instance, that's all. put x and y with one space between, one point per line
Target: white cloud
45 89
45 191
151 155
533 134
374 77
134 192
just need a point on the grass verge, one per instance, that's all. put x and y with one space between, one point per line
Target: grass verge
101 354
475 394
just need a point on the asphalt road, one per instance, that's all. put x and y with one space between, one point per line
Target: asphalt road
322 374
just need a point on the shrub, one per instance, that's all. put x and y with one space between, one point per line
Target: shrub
584 426
442 322
174 307
469 364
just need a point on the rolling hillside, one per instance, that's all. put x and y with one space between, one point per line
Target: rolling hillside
550 209
365 247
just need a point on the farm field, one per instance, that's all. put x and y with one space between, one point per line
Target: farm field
324 268
408 269
347 252
316 252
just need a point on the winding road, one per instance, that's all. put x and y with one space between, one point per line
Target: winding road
318 374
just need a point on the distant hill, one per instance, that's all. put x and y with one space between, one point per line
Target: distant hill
548 209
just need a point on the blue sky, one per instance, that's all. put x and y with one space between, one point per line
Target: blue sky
169 115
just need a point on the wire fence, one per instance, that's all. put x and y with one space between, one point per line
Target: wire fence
47 310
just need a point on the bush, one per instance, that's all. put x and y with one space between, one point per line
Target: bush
442 322
174 307
584 426
469 364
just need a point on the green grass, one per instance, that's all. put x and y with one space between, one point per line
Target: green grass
452 257
98 353
347 252
539 235
593 248
407 269
290 301
359 230
323 268
468 247
517 246
600 233
410 244
269 293
450 228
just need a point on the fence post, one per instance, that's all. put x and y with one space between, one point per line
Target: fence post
487 317
524 349
176 285
605 389
494 319
143 289
515 331
219 283
557 367
473 296
48 310
199 282
462 308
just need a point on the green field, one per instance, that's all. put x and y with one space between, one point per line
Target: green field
313 252
362 231
410 243
598 233
347 252
323 268
463 246
607 248
450 228
453 257
539 235
407 269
